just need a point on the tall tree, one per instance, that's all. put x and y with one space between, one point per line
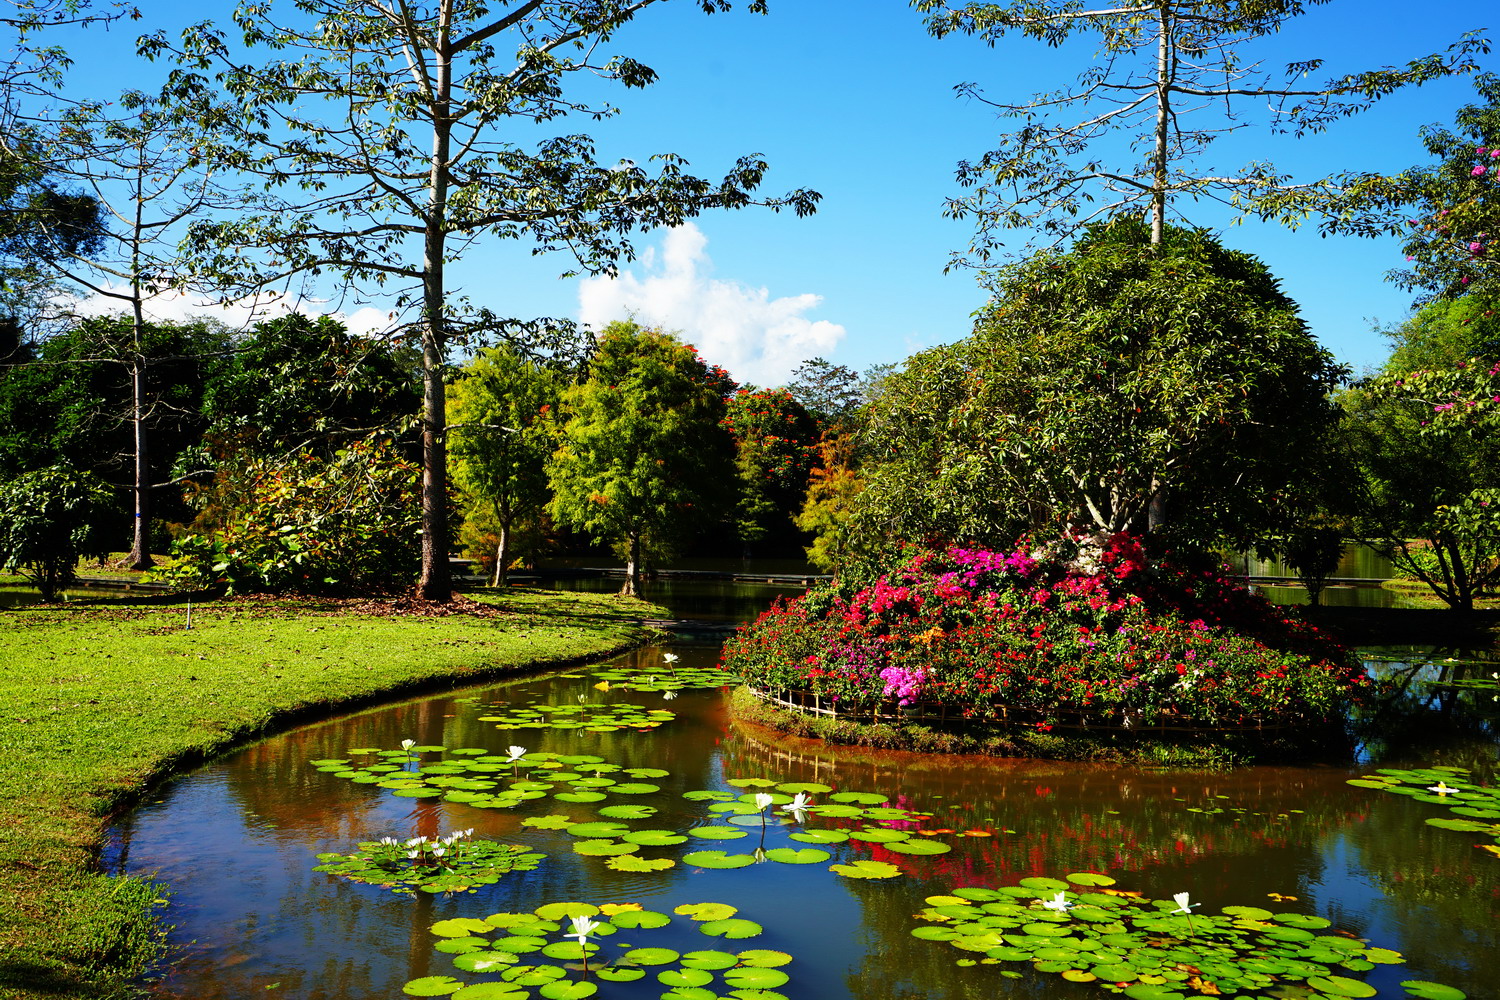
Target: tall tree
1120 385
502 409
387 120
137 160
1170 74
642 456
775 444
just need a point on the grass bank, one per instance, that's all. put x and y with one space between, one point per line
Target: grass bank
99 701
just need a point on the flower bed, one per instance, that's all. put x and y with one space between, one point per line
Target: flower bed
1074 633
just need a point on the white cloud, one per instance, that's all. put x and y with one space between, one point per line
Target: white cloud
757 338
180 307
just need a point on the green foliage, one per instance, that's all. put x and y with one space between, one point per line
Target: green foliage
1080 630
501 409
1446 332
775 447
1107 385
642 457
1428 445
295 382
49 519
345 523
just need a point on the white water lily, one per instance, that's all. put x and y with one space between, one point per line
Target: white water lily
413 855
582 928
669 695
408 744
1058 902
763 799
669 657
416 841
1442 789
798 806
1183 906
516 753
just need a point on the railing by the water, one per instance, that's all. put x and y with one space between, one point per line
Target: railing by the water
942 715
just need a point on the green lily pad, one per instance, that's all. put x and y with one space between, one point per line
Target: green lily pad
685 977
709 960
432 986
617 974
632 919
866 869
706 911
632 863
654 838
630 811
461 927
484 961
860 798
1342 986
1424 990
1089 878
604 848
568 989
731 927
716 833
821 836
751 977
916 847
566 911
764 958
651 956
717 859
790 856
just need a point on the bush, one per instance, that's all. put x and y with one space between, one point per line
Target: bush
50 518
347 524
1086 629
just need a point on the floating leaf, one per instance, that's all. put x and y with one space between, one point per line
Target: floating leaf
1424 990
716 833
432 986
821 836
568 989
650 956
764 958
632 919
685 977
711 960
632 863
732 927
1342 986
717 859
790 856
1089 878
866 869
565 911
755 978
706 911
616 974
461 927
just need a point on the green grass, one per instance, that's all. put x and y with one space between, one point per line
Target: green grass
99 701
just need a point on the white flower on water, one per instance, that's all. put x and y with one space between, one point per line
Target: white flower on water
582 928
413 855
1183 906
669 695
763 799
516 753
1058 902
416 842
1442 789
408 744
669 657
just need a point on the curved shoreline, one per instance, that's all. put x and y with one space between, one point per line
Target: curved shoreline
101 703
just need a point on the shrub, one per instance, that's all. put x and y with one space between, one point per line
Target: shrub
50 518
1083 628
349 523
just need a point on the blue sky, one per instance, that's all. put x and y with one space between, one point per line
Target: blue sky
853 99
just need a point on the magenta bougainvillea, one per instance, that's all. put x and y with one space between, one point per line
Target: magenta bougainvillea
1079 628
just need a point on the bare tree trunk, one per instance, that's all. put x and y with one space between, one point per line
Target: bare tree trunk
436 583
632 586
140 546
502 555
1163 124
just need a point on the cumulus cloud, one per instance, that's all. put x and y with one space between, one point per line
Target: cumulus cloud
757 338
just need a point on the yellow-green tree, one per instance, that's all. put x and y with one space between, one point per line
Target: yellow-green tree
642 457
501 420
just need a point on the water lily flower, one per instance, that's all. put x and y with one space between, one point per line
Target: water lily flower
414 855
582 928
408 744
669 657
798 806
763 799
1442 789
1058 902
516 753
415 841
669 695
1183 906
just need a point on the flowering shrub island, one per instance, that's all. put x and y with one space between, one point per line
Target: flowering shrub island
1078 631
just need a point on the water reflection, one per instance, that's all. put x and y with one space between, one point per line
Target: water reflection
237 840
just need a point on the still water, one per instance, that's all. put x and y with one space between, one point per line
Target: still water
237 841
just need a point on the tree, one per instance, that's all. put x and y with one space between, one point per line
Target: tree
342 119
1121 385
143 177
1427 446
1447 332
830 393
1169 74
75 399
641 455
51 518
775 446
502 424
1448 212
300 384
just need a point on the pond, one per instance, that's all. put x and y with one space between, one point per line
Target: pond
238 839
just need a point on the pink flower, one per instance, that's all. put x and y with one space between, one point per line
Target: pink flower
1479 171
1481 150
1476 248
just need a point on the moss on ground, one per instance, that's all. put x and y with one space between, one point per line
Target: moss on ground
100 701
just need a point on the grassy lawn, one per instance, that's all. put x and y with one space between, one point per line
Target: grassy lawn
99 700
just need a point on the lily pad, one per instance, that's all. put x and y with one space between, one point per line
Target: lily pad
717 859
866 869
764 958
432 986
631 863
706 911
790 856
731 927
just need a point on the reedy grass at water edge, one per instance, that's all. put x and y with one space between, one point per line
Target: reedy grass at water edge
100 701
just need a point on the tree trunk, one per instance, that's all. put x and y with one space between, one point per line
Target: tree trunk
436 583
632 586
140 545
1163 125
502 555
